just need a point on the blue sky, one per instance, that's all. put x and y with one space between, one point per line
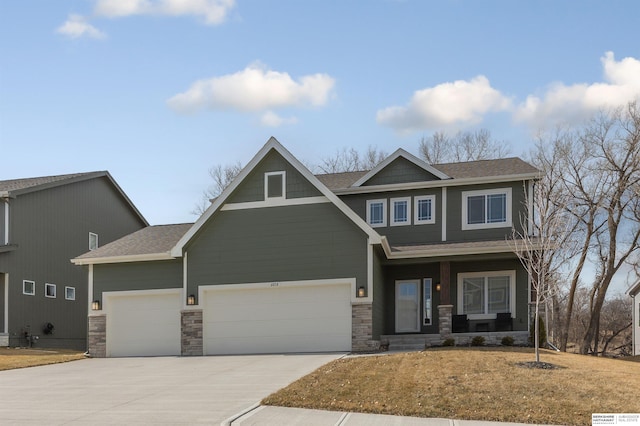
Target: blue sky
158 91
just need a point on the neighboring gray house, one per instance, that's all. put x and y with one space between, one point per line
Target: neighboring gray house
44 222
634 292
284 261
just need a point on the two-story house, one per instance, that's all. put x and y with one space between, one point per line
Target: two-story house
285 261
45 221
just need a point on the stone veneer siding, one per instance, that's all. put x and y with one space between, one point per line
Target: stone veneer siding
97 339
191 333
362 329
444 320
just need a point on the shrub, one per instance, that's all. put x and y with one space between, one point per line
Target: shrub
477 341
507 341
542 337
449 342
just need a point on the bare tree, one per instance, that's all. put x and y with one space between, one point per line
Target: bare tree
221 176
616 322
350 160
464 146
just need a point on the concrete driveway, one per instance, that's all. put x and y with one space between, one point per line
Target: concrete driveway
167 390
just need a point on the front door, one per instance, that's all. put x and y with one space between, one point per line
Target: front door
407 306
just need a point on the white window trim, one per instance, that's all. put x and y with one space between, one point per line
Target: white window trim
466 194
426 317
66 289
93 234
512 292
384 213
24 289
394 222
266 185
55 292
416 201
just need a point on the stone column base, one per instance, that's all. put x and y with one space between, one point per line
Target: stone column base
191 332
362 329
444 320
97 339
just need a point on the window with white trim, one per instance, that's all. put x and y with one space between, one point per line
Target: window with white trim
377 213
28 287
93 241
424 208
484 209
70 293
427 305
481 295
400 211
50 290
274 185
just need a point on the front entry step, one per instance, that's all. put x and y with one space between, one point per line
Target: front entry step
409 342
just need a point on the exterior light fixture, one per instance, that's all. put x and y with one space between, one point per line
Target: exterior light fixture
361 292
95 305
438 287
191 300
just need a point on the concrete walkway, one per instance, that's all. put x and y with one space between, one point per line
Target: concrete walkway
276 416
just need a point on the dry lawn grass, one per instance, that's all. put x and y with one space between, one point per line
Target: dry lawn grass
11 358
473 384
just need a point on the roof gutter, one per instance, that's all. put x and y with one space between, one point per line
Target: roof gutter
122 259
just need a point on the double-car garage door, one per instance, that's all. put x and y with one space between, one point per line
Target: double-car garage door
240 319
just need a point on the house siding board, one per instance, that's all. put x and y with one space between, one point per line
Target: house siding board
2 221
136 276
252 188
400 170
379 296
291 243
520 322
407 234
454 213
50 227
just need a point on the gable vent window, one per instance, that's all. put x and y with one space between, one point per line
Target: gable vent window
274 183
93 241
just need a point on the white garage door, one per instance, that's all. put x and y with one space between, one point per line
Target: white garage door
307 318
143 323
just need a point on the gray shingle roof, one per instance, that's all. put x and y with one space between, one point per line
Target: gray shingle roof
26 183
157 239
468 169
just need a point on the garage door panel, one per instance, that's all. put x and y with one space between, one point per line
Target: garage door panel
143 325
284 319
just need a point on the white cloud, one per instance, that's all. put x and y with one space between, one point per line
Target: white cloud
254 89
76 26
445 105
574 103
271 119
212 11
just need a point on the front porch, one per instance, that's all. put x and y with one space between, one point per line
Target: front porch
407 342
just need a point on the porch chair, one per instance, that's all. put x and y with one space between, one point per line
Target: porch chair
459 324
504 322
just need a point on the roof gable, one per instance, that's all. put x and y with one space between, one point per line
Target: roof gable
400 167
272 145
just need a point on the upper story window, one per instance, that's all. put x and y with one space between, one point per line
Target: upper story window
28 287
484 294
486 209
377 213
274 185
424 208
70 293
400 211
93 241
50 290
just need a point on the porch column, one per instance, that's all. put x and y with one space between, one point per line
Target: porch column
444 322
445 283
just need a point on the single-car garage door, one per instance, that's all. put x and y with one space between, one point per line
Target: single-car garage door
143 323
276 319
